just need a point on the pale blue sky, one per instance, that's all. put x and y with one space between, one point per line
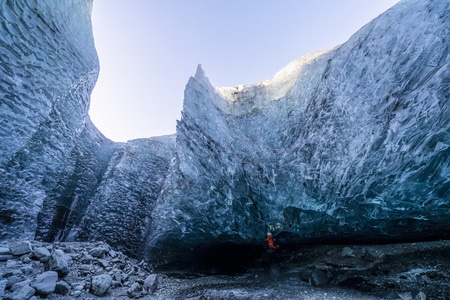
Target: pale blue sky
148 49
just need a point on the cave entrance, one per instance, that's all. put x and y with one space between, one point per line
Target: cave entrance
228 258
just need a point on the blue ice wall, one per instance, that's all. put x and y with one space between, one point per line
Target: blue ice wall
347 144
60 178
48 68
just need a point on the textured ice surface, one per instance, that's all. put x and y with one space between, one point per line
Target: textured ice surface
47 71
349 143
60 178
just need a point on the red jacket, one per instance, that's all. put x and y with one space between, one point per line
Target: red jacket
270 242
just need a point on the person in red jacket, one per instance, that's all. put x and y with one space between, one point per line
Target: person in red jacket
271 248
271 242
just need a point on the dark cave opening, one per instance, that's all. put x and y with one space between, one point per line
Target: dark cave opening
228 258
231 258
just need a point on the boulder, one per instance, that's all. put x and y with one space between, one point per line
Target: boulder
19 285
21 248
347 252
59 262
151 283
135 290
13 279
24 293
45 283
62 288
5 257
100 284
98 252
41 253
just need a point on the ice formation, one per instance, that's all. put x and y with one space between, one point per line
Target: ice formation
60 178
350 143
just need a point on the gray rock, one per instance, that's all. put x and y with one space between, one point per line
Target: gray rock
4 250
112 253
12 263
103 262
371 255
27 269
5 257
59 262
19 285
21 248
100 284
405 296
13 279
98 252
62 288
347 252
151 283
85 268
2 287
45 283
135 290
41 253
117 276
87 259
24 293
421 296
75 294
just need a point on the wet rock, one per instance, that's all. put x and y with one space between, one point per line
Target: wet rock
100 284
21 248
58 261
4 250
45 283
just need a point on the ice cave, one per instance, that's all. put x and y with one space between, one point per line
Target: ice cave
349 144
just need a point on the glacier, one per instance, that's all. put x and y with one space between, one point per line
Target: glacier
346 144
56 169
350 143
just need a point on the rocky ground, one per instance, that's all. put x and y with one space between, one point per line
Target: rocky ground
416 271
